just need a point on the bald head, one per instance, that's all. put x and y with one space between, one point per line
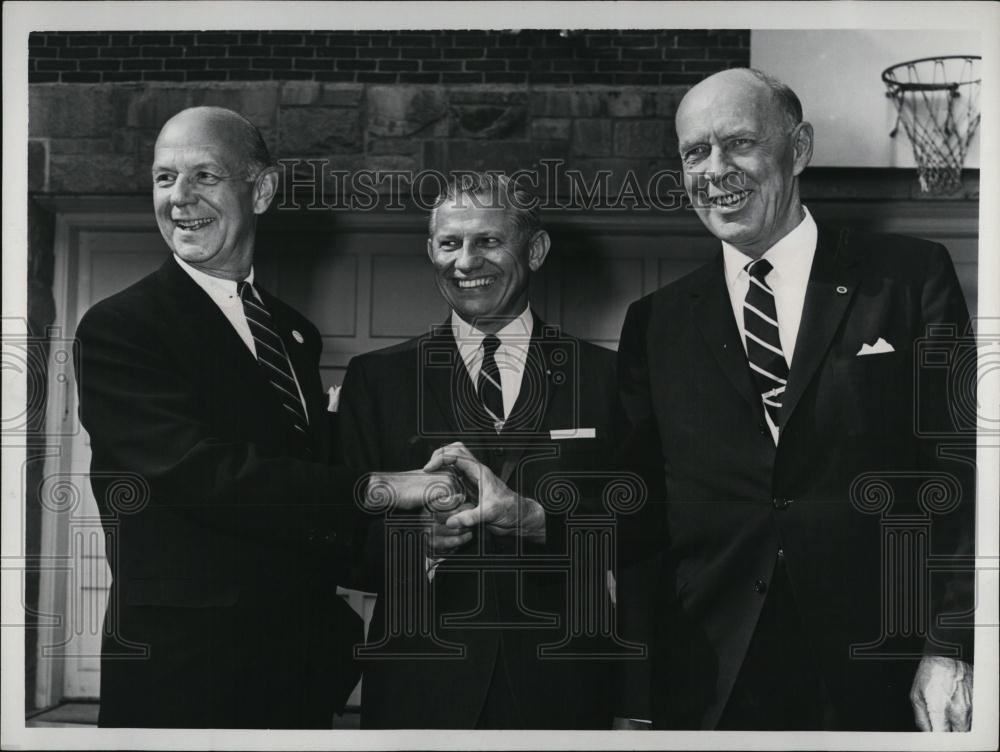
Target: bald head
746 84
223 129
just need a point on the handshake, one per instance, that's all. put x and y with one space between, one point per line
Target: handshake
460 495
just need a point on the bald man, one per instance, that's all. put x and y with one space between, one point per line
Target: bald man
202 391
774 393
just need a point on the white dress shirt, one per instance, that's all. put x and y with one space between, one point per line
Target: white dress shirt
511 355
792 258
224 293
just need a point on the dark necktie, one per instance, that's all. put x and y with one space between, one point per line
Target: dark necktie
272 357
490 391
760 321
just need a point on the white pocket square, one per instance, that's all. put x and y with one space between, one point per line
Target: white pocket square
573 433
880 346
334 402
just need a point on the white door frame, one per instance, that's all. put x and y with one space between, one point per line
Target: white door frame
73 216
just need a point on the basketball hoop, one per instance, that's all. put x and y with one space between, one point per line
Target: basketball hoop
937 101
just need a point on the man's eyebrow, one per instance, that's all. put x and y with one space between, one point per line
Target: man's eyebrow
206 164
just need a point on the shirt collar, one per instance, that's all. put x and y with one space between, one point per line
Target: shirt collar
788 255
516 333
216 287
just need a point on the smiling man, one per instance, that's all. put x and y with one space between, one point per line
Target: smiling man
777 386
201 393
513 402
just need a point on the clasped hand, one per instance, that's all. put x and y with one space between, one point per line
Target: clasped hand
439 490
500 510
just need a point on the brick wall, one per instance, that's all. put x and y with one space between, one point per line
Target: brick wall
614 57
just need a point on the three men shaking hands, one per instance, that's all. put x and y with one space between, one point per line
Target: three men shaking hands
749 395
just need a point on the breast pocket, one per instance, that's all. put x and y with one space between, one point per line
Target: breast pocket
879 392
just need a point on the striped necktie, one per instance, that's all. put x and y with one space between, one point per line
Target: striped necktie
760 322
490 391
272 356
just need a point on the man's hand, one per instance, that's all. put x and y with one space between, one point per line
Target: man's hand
444 540
501 510
942 694
414 489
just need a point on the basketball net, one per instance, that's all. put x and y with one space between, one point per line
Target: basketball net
937 101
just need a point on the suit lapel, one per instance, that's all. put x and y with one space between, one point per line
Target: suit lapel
538 387
713 312
445 378
208 328
833 281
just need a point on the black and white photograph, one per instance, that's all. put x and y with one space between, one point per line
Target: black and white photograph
501 375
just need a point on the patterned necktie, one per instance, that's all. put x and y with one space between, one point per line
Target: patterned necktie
760 321
272 357
490 391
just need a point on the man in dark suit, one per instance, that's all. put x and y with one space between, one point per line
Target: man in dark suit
202 398
773 395
522 413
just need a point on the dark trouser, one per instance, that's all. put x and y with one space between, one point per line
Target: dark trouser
779 687
500 709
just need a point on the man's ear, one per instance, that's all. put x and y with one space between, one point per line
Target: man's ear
538 249
265 189
802 143
430 249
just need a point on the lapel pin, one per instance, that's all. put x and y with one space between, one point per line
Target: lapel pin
298 337
841 289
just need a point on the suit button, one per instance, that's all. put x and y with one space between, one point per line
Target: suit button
781 554
760 587
761 428
781 503
311 535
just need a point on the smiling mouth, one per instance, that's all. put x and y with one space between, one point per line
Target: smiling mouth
191 225
729 200
473 284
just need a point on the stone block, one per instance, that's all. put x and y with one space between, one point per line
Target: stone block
568 103
341 95
299 93
488 121
625 103
591 137
401 111
72 111
153 105
551 128
640 138
666 100
38 157
257 102
507 156
306 131
495 95
395 146
96 173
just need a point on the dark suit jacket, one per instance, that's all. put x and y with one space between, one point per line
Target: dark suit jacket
730 499
226 557
397 406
